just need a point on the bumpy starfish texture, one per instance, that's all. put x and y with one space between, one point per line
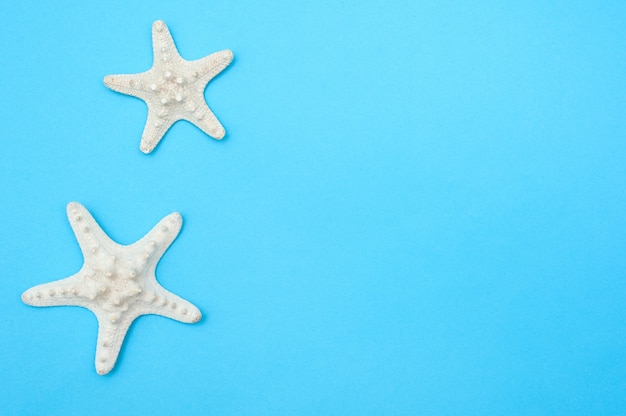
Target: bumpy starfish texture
117 282
173 88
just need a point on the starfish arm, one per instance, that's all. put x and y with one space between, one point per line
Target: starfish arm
112 329
160 301
206 121
64 292
155 129
163 46
88 233
129 84
158 239
211 65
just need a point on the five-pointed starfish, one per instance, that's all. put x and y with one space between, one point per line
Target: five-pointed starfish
117 282
173 88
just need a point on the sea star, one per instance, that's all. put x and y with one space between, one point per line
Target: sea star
117 282
173 88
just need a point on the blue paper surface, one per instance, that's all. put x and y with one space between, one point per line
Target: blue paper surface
419 208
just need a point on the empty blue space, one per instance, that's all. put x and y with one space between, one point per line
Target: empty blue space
419 207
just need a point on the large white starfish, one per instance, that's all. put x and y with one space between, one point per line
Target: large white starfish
117 282
173 88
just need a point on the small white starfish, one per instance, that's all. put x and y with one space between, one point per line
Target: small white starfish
117 282
173 88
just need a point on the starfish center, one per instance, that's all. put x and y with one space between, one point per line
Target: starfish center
170 88
113 282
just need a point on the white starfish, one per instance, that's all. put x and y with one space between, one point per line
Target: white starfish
117 283
173 88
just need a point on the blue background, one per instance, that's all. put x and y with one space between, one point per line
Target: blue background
419 207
